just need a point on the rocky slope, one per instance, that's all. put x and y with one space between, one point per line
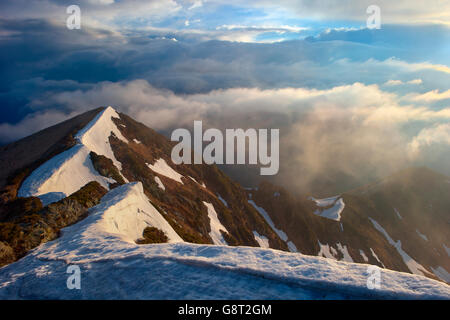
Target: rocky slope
400 223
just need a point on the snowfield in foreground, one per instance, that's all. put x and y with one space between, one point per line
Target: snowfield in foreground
113 267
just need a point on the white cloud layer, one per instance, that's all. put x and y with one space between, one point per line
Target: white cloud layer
352 131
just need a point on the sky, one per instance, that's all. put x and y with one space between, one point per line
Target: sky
350 102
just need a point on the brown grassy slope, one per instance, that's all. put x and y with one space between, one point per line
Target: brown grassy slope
419 194
422 198
182 204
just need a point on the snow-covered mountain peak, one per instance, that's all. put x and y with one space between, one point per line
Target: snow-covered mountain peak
67 172
95 136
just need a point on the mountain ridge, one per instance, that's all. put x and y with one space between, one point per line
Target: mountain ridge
113 267
200 204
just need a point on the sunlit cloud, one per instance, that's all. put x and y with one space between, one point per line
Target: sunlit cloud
438 134
430 96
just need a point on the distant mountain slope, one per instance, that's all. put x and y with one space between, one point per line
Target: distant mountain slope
112 266
401 223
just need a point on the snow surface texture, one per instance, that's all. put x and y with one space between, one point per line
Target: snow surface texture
215 225
126 211
70 170
95 136
113 266
331 207
161 167
279 232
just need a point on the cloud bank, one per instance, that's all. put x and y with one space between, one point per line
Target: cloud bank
352 133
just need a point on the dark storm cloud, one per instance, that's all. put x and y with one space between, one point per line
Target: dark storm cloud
40 51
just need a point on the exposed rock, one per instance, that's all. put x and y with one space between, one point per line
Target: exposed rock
29 229
106 167
6 254
152 235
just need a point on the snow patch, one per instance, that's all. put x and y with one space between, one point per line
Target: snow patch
325 251
159 182
262 240
291 246
376 257
136 141
62 175
424 237
283 236
336 206
161 167
326 202
412 265
329 252
266 216
398 213
215 225
363 255
343 249
446 249
223 200
126 212
441 273
201 184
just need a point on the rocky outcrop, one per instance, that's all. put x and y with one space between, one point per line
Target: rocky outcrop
6 254
152 235
28 229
